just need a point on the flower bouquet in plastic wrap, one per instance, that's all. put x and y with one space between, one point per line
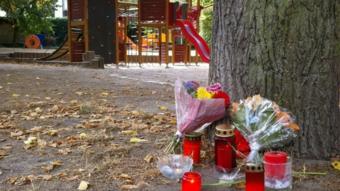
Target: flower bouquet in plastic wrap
263 124
196 106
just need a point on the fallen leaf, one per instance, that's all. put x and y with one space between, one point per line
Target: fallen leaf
37 78
55 108
104 94
72 178
134 112
336 164
65 151
163 108
15 95
46 177
124 176
137 140
36 129
79 93
31 141
42 143
1 87
3 153
84 185
52 165
48 98
149 158
129 132
129 187
52 132
17 134
73 102
38 110
83 136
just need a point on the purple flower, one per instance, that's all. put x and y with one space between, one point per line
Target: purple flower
214 87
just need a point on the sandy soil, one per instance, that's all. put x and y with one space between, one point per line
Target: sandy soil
63 125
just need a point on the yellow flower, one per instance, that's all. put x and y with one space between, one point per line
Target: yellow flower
202 93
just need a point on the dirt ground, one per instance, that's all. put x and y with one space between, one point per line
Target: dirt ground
63 125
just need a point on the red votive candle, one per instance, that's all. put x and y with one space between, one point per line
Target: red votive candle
225 156
191 181
271 160
254 177
192 147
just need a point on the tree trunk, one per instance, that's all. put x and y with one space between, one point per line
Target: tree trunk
285 51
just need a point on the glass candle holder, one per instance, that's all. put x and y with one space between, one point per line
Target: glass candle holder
270 159
254 177
192 147
278 175
225 156
191 181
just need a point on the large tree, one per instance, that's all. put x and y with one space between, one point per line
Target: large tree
29 16
284 50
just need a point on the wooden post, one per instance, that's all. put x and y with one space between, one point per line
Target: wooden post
116 32
167 33
139 36
69 30
86 25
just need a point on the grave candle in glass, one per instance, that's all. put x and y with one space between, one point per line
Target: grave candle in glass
272 161
192 146
254 177
225 156
191 181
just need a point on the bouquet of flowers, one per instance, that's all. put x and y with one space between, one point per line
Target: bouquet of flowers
196 106
263 124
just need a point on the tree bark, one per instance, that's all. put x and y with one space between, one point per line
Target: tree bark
284 50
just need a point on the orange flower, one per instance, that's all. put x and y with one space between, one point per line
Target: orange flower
283 117
294 127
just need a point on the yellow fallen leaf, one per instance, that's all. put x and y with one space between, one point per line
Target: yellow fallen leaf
48 98
336 164
37 78
129 132
83 136
1 87
15 95
52 132
137 140
84 185
104 94
31 141
163 108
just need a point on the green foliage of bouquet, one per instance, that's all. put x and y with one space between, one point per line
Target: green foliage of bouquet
263 123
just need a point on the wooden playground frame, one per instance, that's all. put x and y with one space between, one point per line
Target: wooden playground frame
159 15
154 14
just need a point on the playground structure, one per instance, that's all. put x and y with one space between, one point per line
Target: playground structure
149 31
159 31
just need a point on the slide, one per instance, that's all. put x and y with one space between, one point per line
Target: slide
191 34
61 51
